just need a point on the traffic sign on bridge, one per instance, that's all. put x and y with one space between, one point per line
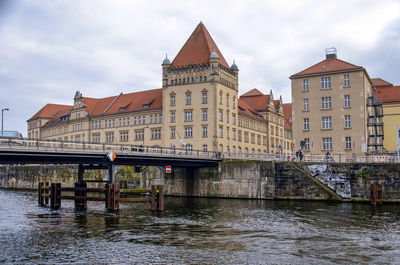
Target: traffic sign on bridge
168 169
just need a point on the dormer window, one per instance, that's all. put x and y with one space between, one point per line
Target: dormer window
146 106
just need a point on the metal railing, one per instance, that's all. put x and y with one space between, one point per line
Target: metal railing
130 149
26 144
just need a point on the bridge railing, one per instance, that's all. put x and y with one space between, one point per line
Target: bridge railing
129 149
315 157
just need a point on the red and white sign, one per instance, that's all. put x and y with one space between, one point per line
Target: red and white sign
111 156
168 169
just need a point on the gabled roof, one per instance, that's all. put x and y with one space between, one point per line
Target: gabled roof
197 49
252 93
245 108
380 82
388 94
256 99
51 110
327 66
143 100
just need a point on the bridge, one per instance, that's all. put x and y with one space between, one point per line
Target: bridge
27 151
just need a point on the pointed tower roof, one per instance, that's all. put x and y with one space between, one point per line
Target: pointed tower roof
198 48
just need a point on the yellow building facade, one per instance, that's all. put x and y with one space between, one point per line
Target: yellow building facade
197 108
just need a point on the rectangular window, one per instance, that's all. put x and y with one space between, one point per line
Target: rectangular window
327 143
233 119
188 132
205 114
144 119
227 100
233 134
188 115
204 98
172 133
188 99
326 82
326 122
348 142
204 131
138 135
172 100
140 120
347 121
347 101
246 137
109 137
306 144
155 134
151 119
305 104
346 80
220 98
305 84
172 116
227 132
221 116
253 138
155 118
239 135
326 103
134 120
96 137
221 132
306 124
124 136
204 148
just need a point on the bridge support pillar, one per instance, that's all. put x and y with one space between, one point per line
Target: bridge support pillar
112 196
110 173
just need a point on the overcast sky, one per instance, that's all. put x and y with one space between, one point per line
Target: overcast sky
50 49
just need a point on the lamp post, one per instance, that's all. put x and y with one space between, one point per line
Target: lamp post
2 111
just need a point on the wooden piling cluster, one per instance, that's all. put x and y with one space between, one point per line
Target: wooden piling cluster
112 195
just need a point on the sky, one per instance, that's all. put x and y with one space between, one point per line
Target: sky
49 49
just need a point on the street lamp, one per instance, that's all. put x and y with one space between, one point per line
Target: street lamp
2 111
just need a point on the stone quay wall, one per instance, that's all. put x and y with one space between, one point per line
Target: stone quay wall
241 179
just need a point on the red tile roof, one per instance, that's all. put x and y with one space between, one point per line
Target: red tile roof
380 82
51 110
326 66
136 101
256 99
388 94
252 93
287 114
245 108
276 104
197 49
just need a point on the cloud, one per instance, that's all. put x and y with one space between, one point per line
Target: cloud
50 49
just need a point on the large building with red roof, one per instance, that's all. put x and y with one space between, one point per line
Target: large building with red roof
329 111
389 96
197 108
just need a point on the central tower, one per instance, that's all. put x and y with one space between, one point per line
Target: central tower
200 94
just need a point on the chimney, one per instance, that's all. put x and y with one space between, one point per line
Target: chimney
330 53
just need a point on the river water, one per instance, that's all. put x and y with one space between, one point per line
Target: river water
198 231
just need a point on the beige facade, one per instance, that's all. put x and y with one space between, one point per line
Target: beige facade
198 108
329 107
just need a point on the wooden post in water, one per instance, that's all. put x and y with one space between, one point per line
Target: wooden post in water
112 196
153 197
160 198
80 205
55 196
373 194
46 199
40 194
